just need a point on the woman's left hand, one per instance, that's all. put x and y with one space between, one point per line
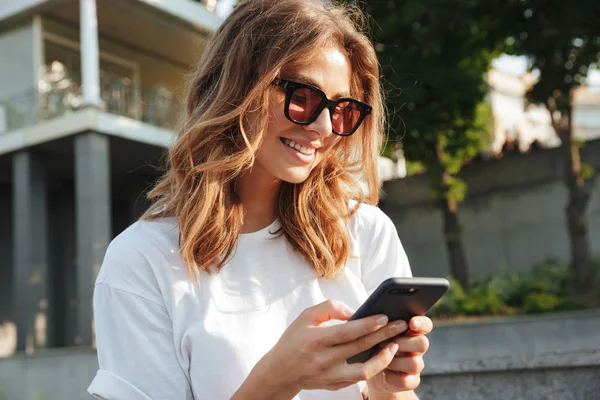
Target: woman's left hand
404 372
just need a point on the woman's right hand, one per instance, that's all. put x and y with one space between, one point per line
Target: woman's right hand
311 356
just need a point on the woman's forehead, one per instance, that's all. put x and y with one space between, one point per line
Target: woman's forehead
328 69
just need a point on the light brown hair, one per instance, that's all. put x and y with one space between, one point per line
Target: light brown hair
220 136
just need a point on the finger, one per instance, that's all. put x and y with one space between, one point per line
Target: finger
352 330
401 381
327 310
420 326
411 344
410 365
373 366
365 342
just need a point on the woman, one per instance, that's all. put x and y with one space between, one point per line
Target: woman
259 241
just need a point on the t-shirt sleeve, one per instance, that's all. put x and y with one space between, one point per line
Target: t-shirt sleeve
382 254
134 339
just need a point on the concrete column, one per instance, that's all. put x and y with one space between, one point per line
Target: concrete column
90 59
93 222
63 273
30 252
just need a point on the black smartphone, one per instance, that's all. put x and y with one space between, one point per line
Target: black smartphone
400 298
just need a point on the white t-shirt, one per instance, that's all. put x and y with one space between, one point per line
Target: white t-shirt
161 335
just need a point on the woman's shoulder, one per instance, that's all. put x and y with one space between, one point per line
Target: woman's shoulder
133 259
381 252
146 236
370 220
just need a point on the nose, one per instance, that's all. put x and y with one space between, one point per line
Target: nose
322 125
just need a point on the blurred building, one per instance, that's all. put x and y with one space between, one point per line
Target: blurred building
90 92
520 124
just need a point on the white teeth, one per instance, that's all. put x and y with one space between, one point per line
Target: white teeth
302 149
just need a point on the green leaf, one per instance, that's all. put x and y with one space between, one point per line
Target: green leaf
587 171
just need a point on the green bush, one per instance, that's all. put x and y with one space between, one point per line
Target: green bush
484 300
537 303
452 302
546 287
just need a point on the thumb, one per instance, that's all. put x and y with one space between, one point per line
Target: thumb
328 310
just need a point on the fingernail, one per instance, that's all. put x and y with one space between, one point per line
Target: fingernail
416 323
393 349
348 311
400 326
382 320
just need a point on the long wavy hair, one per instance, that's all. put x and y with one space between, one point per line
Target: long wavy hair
226 120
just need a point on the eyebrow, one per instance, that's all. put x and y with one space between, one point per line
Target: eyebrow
306 79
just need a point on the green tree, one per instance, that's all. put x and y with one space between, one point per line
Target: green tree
434 56
562 41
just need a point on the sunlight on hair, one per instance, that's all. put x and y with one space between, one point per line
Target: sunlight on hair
225 123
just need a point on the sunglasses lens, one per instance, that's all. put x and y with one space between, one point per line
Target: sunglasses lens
304 104
346 117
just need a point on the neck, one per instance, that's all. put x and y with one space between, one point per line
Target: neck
258 195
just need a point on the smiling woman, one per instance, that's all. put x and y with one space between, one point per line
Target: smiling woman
259 237
303 104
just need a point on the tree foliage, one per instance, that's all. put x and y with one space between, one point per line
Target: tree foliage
434 57
562 42
434 61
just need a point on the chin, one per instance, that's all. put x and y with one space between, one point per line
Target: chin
295 177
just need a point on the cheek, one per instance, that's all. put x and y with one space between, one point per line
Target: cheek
278 123
328 147
276 109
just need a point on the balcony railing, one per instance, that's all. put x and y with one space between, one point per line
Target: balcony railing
59 92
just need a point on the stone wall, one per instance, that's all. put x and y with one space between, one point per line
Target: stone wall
512 218
555 356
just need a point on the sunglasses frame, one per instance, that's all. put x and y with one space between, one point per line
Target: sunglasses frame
290 87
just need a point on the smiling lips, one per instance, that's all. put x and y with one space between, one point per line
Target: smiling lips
308 151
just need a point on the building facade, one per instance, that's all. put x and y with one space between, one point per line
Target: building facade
90 94
520 123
